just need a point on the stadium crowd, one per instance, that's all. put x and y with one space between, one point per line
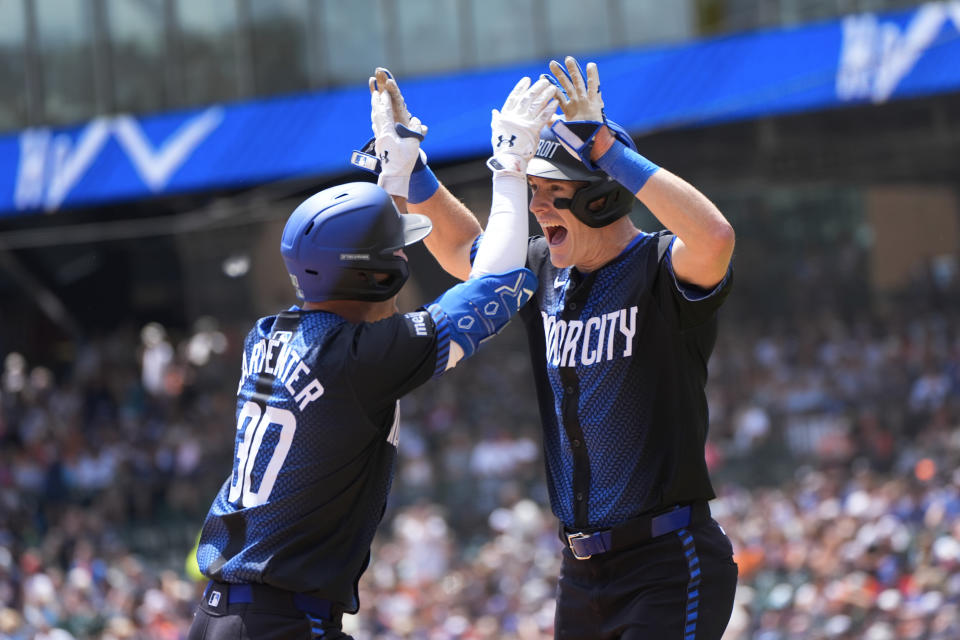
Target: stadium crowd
835 447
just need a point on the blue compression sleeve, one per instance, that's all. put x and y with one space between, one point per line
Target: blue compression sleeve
626 166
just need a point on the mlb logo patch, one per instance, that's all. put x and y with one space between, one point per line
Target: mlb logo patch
214 599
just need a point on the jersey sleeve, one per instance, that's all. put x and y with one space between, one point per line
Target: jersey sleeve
538 256
691 305
389 358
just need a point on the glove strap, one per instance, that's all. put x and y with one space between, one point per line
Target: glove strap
365 161
578 137
366 158
507 163
406 132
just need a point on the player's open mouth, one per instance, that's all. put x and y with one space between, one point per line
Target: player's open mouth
555 233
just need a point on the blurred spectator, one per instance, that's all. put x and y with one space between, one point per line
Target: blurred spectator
156 359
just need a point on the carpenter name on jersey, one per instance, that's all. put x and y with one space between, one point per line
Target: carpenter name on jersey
619 359
315 446
276 356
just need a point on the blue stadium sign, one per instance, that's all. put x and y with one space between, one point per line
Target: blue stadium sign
866 58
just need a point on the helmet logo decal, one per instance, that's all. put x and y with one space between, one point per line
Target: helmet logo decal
296 285
354 256
546 148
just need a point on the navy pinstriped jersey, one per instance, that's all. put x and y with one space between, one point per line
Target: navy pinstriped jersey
316 438
620 364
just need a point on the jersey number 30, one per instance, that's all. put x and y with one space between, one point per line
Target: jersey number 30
254 422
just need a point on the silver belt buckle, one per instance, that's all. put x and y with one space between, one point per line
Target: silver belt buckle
578 536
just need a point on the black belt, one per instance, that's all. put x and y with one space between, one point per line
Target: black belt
585 544
222 594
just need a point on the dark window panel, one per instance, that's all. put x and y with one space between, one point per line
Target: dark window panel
355 40
429 35
572 29
138 54
504 31
64 34
13 65
208 50
651 21
281 56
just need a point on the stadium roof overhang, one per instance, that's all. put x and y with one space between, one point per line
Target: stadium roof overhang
861 59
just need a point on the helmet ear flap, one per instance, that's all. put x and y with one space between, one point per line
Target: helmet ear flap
396 276
599 203
368 282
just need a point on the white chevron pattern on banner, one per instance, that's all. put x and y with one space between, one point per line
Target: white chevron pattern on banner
875 56
51 165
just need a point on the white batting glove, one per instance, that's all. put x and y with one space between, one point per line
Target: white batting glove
582 106
397 144
383 80
582 101
516 127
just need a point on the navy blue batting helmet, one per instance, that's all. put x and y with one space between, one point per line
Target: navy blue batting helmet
339 244
603 200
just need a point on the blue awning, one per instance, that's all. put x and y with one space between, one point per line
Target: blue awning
866 58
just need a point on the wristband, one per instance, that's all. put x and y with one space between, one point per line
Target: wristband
423 184
626 166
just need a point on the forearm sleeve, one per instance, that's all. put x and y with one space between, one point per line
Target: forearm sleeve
504 243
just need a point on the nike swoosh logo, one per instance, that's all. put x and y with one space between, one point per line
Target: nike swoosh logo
557 283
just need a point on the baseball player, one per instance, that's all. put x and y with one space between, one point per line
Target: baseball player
288 535
620 332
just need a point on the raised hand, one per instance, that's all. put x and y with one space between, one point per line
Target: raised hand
515 129
583 100
582 106
383 80
397 134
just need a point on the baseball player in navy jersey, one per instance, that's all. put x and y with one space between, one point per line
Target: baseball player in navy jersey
620 332
288 535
